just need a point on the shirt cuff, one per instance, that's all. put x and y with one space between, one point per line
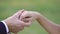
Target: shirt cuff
5 26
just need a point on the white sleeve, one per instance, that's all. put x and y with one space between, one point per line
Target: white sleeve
5 26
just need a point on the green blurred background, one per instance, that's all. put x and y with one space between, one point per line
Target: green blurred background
49 8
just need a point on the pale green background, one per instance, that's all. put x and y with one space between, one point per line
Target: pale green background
49 8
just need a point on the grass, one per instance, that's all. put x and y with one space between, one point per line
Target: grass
49 8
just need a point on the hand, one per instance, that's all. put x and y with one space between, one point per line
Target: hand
15 24
29 15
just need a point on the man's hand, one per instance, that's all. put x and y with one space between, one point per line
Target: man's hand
15 24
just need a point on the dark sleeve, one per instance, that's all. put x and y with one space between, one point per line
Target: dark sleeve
2 28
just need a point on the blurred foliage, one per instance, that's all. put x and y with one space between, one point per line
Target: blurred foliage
49 8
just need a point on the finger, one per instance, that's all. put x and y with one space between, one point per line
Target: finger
24 14
18 13
21 13
27 24
27 19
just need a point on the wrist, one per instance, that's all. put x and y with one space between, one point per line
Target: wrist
8 23
39 16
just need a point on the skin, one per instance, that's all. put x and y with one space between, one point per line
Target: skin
15 24
48 25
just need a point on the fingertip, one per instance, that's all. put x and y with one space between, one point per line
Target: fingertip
21 12
28 24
